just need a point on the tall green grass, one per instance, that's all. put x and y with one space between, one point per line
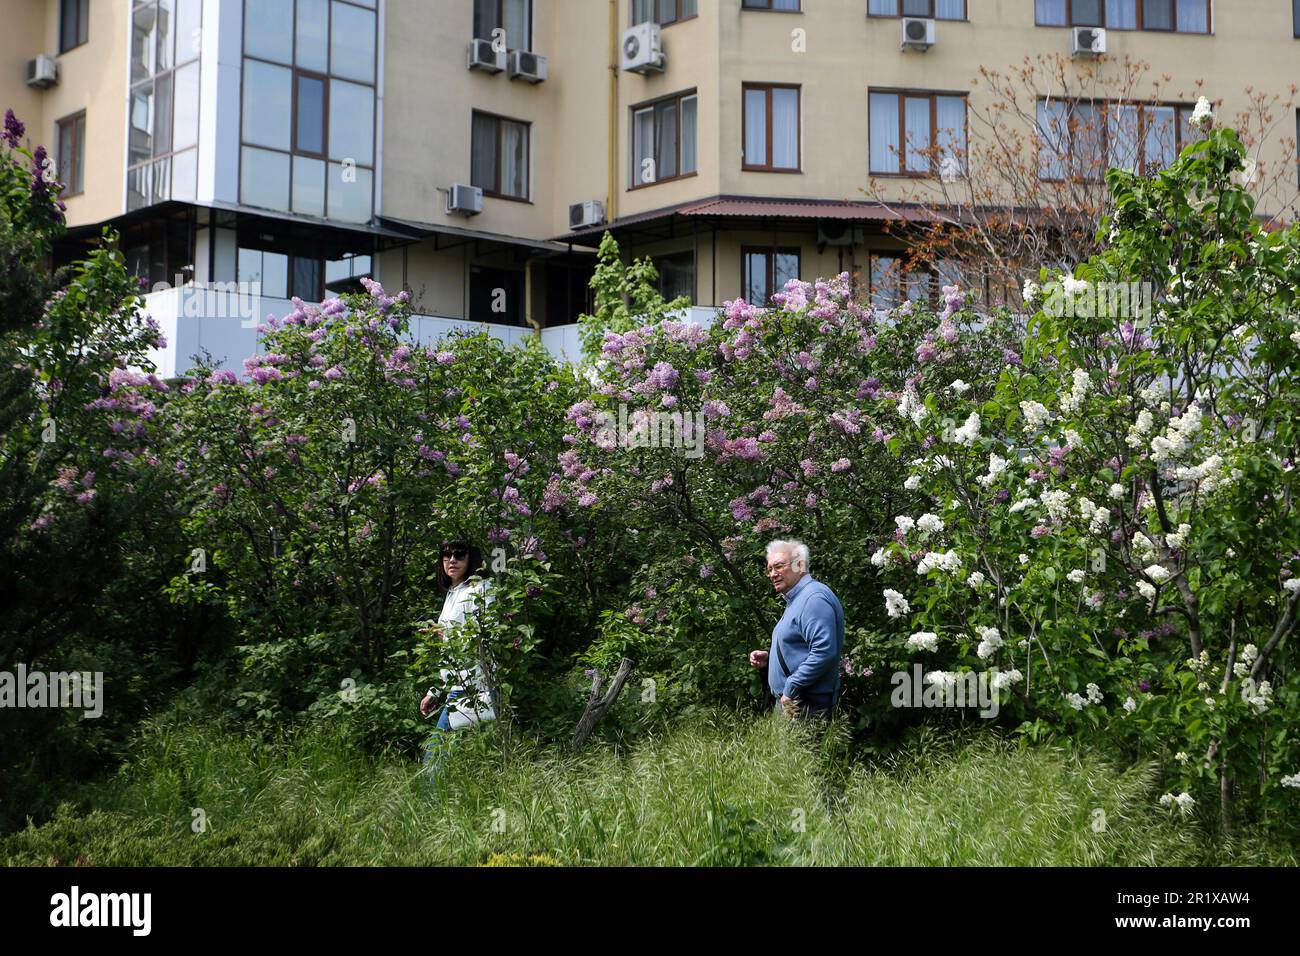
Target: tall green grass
720 791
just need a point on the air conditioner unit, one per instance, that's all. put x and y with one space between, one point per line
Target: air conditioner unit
1087 41
527 66
466 200
839 233
483 57
643 50
588 213
42 72
918 33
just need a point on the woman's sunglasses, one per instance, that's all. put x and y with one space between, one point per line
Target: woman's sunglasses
455 553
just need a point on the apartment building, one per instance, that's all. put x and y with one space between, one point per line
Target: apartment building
474 152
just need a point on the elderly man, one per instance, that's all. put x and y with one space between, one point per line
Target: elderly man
807 641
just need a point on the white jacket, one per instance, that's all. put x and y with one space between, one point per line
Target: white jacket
465 600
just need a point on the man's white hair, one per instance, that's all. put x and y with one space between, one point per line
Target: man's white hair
797 551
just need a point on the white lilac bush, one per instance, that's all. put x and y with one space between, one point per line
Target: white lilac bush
1114 529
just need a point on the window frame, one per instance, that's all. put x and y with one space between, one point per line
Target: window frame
501 17
636 160
902 95
765 6
964 18
770 252
294 148
528 155
745 164
1104 107
81 28
370 165
633 21
77 122
1141 27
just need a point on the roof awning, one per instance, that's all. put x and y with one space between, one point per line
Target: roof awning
171 207
761 207
419 230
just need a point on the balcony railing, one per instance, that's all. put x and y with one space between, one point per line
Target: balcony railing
223 323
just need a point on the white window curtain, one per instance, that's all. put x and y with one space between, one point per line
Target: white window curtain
516 17
643 138
1193 16
1053 139
756 127
514 159
1161 136
1087 140
883 8
1122 139
950 9
689 147
916 111
950 126
785 129
1049 12
1122 14
483 152
666 139
884 132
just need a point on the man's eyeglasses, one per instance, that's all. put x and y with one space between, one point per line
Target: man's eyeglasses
778 567
457 554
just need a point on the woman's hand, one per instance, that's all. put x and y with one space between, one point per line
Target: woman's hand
433 629
427 705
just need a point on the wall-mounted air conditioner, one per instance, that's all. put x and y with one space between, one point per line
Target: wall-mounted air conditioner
527 66
466 200
839 233
918 33
643 50
42 72
483 57
588 213
1087 41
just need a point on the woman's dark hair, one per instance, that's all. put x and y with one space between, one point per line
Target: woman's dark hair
473 564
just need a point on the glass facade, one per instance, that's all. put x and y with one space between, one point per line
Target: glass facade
163 115
307 141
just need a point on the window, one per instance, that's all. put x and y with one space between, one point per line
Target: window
664 12
74 23
163 117
281 275
676 275
663 140
1297 149
935 9
515 17
308 116
1181 16
70 160
894 282
1295 17
499 156
1080 140
766 271
310 110
917 134
771 128
785 6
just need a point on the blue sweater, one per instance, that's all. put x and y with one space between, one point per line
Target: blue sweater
811 636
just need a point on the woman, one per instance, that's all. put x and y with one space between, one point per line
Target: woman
468 699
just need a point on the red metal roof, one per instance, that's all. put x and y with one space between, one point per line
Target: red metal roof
801 209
